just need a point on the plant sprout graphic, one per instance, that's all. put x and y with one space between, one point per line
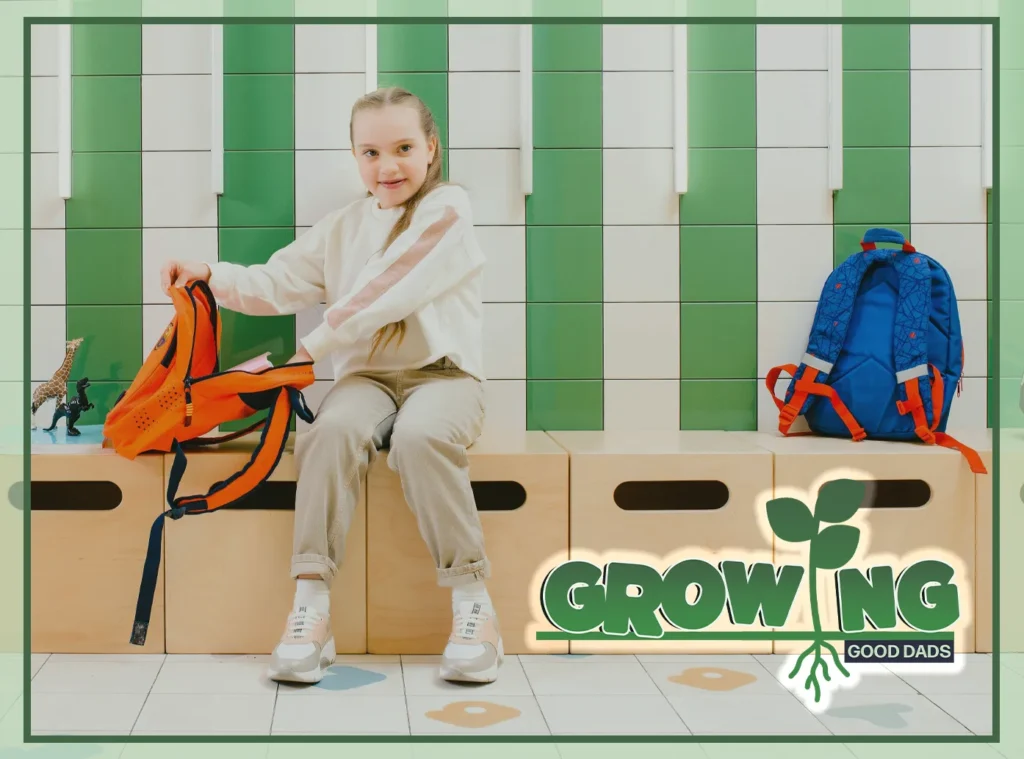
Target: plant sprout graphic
831 548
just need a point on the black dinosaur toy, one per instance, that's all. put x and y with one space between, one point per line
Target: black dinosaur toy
72 409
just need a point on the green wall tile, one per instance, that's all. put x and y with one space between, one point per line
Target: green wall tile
258 189
722 109
567 47
104 266
558 405
564 264
113 341
718 405
259 48
847 237
876 46
253 246
564 340
106 190
705 329
412 47
102 395
259 112
432 89
106 49
718 264
106 113
567 110
567 188
245 337
876 108
722 187
876 185
721 47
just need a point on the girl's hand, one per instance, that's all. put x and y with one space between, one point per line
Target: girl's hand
181 273
301 357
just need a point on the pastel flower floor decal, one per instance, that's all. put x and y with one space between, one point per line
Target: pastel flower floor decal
713 678
473 714
343 677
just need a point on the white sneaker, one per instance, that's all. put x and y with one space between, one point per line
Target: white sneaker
306 649
474 651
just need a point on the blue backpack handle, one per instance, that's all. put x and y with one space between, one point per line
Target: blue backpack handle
881 234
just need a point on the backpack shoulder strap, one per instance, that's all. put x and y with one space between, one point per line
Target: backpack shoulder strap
256 471
828 332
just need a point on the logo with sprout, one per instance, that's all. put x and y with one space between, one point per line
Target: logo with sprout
630 601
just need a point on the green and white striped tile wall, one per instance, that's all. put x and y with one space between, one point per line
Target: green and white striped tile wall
611 302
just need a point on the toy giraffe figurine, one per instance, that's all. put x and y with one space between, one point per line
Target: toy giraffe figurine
57 387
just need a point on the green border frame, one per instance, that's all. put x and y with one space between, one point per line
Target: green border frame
993 299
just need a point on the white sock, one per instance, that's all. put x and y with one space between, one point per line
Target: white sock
313 593
474 591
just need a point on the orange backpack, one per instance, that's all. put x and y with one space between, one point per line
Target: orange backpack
179 394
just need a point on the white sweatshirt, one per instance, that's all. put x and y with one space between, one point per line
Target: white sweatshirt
430 276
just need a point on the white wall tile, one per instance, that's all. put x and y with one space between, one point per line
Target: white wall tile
323 108
641 264
47 205
44 50
974 328
641 405
325 181
176 48
314 395
945 186
45 93
792 47
504 405
306 321
492 179
793 261
49 334
176 112
483 47
641 340
176 190
155 319
638 110
945 108
792 186
783 330
970 408
48 267
160 245
638 187
945 46
483 110
504 278
504 332
637 47
330 48
792 109
962 250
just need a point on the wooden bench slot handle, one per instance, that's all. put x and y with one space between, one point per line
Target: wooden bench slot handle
75 495
671 495
896 494
272 495
498 495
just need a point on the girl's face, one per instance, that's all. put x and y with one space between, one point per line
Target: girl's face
392 152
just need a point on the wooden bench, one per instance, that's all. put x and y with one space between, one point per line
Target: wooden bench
662 497
91 514
229 585
521 484
921 505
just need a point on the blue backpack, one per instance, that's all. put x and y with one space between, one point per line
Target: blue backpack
887 319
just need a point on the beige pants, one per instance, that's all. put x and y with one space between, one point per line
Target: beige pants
427 417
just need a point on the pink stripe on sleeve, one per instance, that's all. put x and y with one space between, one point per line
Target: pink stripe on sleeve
397 271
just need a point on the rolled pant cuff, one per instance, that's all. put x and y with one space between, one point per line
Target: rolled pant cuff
478 570
311 564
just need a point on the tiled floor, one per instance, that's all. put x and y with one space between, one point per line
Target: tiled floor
558 695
